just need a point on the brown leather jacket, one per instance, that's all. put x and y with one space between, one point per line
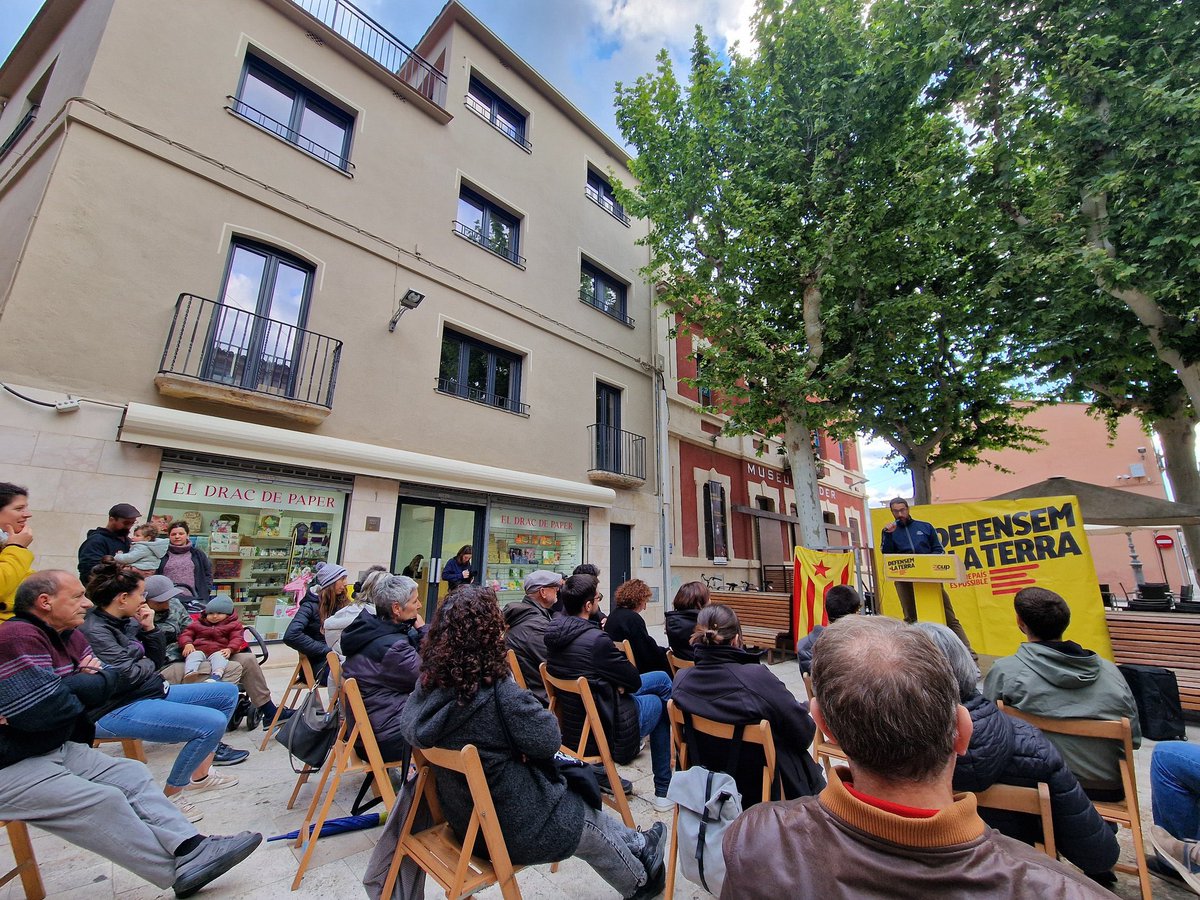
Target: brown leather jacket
835 846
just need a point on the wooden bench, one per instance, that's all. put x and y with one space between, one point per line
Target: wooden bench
1170 640
766 620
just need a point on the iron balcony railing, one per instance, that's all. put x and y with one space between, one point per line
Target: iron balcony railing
608 204
494 245
221 344
617 451
22 127
250 114
485 112
614 308
475 395
372 39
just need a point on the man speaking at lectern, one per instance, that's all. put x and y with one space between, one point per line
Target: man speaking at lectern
907 536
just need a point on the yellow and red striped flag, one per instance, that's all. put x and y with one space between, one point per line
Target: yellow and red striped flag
816 572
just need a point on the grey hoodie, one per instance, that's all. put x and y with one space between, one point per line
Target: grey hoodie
144 555
1061 680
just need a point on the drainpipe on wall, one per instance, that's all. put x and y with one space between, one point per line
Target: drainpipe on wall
664 478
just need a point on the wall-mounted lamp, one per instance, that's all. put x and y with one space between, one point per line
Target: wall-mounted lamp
411 300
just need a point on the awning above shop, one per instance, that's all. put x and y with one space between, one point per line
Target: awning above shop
162 427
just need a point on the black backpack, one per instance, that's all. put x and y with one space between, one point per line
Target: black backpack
1156 693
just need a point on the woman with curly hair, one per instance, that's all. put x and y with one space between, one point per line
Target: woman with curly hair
466 695
625 623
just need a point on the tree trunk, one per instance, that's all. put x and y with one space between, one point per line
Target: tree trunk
798 440
1178 436
922 480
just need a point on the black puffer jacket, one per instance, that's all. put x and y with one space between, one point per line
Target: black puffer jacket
576 647
1008 751
680 625
304 633
382 657
136 655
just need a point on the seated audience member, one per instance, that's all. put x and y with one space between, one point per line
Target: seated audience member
120 629
304 633
1060 680
212 637
1005 750
16 559
576 646
52 690
727 684
381 655
625 623
187 566
840 600
360 602
598 615
890 825
465 696
527 622
1175 798
146 550
681 621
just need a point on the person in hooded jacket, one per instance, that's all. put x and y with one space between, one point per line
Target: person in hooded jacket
728 684
112 537
1061 680
466 695
1006 750
382 656
527 622
681 621
359 602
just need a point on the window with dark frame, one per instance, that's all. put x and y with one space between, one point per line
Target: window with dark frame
486 224
714 521
600 192
603 291
479 372
497 112
33 102
281 105
703 393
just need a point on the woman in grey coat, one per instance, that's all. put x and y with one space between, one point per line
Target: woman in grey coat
466 695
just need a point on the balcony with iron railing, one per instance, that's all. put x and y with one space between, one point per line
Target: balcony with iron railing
22 127
606 203
481 109
227 355
457 388
497 245
342 19
606 304
618 457
279 129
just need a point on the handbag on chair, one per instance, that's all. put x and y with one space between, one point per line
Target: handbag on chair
310 733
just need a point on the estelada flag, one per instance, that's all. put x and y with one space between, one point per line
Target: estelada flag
816 572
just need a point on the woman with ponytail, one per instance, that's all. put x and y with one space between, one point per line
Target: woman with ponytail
729 685
121 631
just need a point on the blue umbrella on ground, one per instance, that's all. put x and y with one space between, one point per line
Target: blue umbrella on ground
339 826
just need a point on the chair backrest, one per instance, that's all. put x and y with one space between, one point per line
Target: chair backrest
752 733
1157 590
626 648
361 734
515 665
1032 800
677 663
593 726
335 676
824 748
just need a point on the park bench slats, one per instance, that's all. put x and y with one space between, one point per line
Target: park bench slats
1170 640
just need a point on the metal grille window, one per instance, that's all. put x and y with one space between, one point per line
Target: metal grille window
715 547
603 291
502 116
480 372
600 192
284 107
486 224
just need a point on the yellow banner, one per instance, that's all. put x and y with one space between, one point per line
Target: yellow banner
1005 545
816 571
941 567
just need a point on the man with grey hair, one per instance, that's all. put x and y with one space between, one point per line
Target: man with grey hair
526 622
890 824
382 656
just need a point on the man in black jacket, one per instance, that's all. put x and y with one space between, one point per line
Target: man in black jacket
113 538
527 622
576 646
52 778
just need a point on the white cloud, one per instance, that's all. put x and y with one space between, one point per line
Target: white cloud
883 483
672 22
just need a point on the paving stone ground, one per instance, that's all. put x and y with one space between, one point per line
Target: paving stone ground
259 803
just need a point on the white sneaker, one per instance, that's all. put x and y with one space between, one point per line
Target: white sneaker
187 809
214 781
662 804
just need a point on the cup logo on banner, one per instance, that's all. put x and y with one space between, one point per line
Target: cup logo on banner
1004 546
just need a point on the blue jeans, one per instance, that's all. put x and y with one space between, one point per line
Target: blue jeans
652 699
194 715
1175 789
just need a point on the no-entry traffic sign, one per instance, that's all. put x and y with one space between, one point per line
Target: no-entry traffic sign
1164 541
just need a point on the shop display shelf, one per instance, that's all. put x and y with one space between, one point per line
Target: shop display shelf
232 580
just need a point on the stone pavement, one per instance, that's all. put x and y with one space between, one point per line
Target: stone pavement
259 802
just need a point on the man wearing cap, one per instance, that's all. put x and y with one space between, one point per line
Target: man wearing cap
527 623
113 538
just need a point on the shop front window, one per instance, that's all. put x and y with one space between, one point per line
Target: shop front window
521 541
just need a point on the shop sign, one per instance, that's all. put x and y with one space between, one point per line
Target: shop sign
179 488
509 518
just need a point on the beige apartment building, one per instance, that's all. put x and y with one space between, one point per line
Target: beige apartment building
323 296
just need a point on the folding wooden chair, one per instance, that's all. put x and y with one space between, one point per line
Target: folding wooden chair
1032 800
303 679
678 663
437 850
756 733
344 760
335 690
626 648
515 665
26 863
1124 812
593 728
132 748
825 750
